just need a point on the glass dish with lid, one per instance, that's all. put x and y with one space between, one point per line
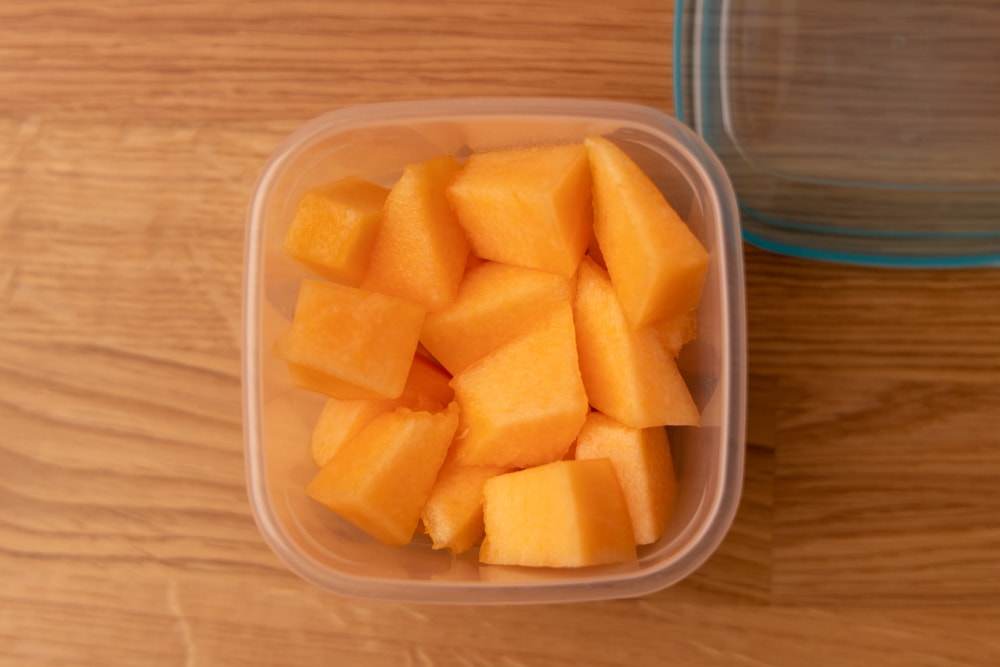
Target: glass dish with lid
855 131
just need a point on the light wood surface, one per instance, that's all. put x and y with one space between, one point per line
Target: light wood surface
130 137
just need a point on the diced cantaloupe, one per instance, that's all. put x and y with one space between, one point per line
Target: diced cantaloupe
642 463
310 379
426 388
350 343
677 331
335 227
471 262
594 252
420 252
381 479
340 421
495 303
527 206
522 404
555 286
571 452
453 515
627 372
563 514
657 264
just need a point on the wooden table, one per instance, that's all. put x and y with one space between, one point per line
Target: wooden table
130 137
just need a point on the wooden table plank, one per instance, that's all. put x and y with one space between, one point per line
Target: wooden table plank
130 137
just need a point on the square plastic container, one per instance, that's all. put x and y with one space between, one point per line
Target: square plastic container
376 142
854 131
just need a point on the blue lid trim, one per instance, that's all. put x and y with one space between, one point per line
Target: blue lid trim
862 259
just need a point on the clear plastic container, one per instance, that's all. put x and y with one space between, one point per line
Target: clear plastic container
852 130
376 142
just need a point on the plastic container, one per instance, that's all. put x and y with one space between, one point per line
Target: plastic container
852 130
375 142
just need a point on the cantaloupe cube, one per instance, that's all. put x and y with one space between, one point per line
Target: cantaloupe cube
420 252
453 515
350 343
495 303
334 229
594 252
627 372
472 262
381 479
522 404
563 514
426 388
642 463
657 265
340 421
527 206
677 331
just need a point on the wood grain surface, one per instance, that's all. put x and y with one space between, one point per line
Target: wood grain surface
131 134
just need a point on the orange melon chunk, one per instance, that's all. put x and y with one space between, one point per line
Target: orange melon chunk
495 303
657 265
335 227
472 262
350 343
522 404
527 206
627 372
427 386
453 515
563 514
342 420
420 252
426 389
677 331
381 479
642 463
